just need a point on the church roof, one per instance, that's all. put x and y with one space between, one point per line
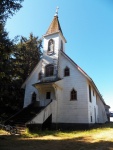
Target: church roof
54 26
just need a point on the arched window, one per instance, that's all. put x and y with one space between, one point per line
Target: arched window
39 76
66 72
73 95
49 70
33 97
51 46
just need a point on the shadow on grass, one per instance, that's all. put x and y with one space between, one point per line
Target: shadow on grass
8 142
106 125
41 133
18 143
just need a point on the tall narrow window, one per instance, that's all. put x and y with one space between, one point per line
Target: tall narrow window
61 45
95 113
49 70
73 95
66 72
91 118
33 97
90 94
39 76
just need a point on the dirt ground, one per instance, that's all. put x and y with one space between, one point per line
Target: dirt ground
100 139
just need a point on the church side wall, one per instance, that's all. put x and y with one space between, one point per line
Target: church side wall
96 108
92 105
69 111
102 117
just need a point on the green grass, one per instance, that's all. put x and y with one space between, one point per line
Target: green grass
65 134
100 138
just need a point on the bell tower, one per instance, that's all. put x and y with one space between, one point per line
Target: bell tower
53 43
54 40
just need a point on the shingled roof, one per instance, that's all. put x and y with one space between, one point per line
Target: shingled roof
54 26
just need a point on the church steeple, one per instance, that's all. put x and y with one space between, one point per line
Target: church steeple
54 41
55 25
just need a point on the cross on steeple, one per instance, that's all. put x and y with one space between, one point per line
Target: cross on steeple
56 14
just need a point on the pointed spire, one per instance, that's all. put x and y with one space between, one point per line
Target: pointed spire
55 25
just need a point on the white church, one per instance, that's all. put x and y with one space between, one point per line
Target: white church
58 92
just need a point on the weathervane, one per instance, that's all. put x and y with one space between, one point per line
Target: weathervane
56 14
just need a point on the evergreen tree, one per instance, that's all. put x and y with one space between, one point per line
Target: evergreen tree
7 9
16 60
6 47
28 55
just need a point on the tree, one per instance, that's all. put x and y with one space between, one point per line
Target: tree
8 8
28 55
25 56
16 60
5 50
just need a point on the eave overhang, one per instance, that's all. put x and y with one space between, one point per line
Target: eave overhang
58 32
47 84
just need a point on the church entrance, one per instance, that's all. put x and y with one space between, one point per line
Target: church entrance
46 93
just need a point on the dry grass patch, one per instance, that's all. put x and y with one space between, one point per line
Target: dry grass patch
95 139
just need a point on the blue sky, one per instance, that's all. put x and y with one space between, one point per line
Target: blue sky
87 26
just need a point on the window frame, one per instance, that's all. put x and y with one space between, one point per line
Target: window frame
91 118
90 95
66 71
62 47
73 95
49 70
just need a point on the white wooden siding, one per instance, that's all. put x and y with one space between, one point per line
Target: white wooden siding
72 111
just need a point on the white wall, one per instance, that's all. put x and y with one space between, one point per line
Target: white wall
71 111
101 111
92 106
57 39
96 107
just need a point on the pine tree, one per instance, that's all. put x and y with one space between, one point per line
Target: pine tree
6 46
7 9
16 60
28 55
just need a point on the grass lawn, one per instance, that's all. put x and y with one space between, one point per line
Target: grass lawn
95 139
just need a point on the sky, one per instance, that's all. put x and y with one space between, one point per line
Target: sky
87 26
